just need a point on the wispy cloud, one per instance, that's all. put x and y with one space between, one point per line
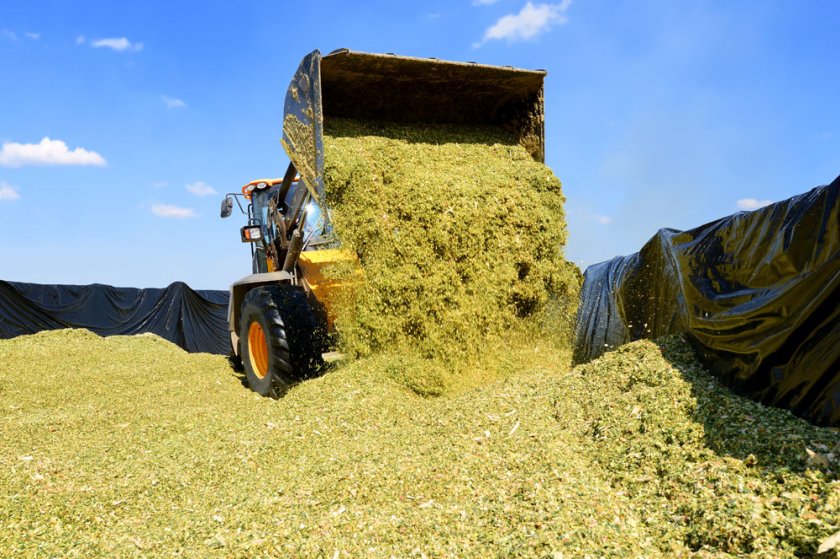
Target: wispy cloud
752 203
172 102
590 217
8 192
168 210
80 40
159 184
9 35
483 2
119 44
201 189
531 22
33 36
47 152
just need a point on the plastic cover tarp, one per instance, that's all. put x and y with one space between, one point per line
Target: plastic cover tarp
757 293
194 320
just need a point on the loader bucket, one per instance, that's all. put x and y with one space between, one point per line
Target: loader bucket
359 85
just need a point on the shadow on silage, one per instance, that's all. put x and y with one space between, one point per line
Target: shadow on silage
239 375
770 438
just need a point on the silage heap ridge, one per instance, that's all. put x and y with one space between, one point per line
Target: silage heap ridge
459 233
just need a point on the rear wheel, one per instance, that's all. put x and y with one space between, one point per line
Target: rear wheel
280 339
234 358
235 362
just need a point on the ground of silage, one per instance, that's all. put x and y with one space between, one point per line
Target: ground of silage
130 447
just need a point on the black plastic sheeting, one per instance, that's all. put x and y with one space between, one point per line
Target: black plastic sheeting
194 320
757 293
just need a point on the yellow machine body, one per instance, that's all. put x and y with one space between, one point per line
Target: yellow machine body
314 266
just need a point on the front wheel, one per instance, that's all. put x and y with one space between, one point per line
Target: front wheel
279 339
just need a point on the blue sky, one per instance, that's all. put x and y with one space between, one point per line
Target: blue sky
122 124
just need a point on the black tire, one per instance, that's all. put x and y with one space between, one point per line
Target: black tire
293 339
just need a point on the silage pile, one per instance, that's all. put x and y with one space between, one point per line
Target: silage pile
130 447
124 447
460 234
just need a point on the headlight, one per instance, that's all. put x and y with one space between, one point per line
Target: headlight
251 233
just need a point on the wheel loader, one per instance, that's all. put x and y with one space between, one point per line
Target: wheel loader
281 314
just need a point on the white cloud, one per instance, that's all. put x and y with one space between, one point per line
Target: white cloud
529 23
595 218
80 40
10 35
33 36
119 44
47 152
159 184
752 203
581 215
8 192
483 2
172 103
201 189
168 210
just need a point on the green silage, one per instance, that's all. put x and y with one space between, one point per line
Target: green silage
131 447
460 234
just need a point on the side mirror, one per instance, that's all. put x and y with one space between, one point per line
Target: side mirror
227 207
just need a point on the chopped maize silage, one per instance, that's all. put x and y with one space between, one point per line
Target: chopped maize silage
460 234
130 447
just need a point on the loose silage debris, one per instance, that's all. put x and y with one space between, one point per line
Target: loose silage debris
130 447
460 234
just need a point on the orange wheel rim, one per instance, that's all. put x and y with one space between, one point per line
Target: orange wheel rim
257 350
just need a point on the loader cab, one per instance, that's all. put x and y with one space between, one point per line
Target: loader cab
277 208
299 205
261 262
